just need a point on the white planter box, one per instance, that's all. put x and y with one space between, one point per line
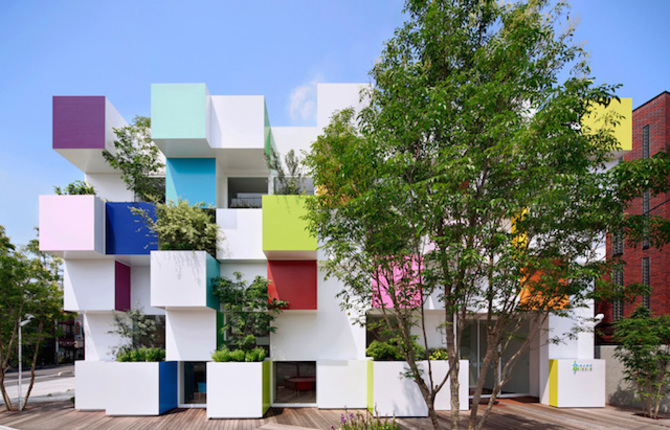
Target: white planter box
393 394
183 279
577 383
341 384
141 388
89 378
238 390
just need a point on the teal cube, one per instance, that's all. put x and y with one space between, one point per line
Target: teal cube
180 119
192 179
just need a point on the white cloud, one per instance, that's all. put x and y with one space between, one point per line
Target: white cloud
302 101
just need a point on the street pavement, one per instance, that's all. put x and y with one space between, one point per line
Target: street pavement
53 383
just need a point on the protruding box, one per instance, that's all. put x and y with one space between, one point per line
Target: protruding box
190 335
83 127
127 234
89 376
242 230
183 279
180 119
226 400
241 122
96 285
293 281
72 226
394 394
623 131
577 383
192 179
285 234
142 388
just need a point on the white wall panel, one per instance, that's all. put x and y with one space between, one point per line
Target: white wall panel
341 384
328 333
89 285
98 342
190 335
140 290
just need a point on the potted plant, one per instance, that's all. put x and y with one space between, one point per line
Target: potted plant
140 382
184 267
391 393
241 362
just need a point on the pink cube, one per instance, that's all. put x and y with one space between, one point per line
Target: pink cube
72 223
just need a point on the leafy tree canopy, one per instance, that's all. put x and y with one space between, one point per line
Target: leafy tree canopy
138 159
468 179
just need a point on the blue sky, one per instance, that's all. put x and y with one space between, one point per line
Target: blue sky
276 48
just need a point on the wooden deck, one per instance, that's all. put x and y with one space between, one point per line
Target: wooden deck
508 414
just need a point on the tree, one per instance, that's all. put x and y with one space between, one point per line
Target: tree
75 188
469 179
30 285
248 310
644 351
138 159
135 329
290 179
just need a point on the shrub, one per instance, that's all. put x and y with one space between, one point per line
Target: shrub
180 226
644 351
141 354
255 355
239 355
358 421
75 188
392 351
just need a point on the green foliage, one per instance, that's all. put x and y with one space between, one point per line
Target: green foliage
29 285
644 351
359 421
249 310
180 226
392 350
290 180
75 188
141 354
255 355
239 355
138 159
136 331
469 164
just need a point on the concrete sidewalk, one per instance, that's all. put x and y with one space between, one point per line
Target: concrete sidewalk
61 388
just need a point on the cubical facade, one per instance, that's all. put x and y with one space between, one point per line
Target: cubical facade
215 151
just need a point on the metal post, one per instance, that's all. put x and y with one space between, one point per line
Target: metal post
20 369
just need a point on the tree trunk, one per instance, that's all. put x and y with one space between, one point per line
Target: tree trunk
5 396
454 383
432 414
32 366
4 365
488 358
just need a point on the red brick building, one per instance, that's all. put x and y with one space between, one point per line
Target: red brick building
643 264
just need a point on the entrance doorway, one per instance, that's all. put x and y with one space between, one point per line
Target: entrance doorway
473 348
295 383
193 380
